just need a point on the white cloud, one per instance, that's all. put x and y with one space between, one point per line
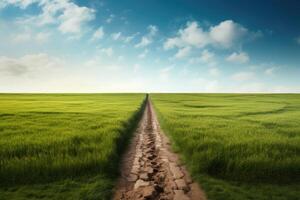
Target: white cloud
173 42
148 38
192 35
28 36
298 40
145 41
240 58
285 89
110 18
70 17
108 51
183 52
120 58
214 71
164 73
74 17
42 37
270 71
31 63
243 76
143 54
91 75
226 35
12 66
207 56
250 87
205 85
98 34
116 36
152 30
21 37
126 39
136 68
130 38
23 4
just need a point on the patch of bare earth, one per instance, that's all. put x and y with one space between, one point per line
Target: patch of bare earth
150 170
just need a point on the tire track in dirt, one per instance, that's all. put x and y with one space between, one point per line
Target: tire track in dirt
150 170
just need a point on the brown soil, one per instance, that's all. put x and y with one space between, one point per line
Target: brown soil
149 168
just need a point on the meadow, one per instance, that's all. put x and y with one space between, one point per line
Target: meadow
64 146
238 146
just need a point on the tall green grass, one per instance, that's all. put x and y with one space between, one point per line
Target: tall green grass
253 139
50 137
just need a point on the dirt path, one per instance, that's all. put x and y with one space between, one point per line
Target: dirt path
150 170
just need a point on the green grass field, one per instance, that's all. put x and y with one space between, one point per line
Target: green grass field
67 146
238 146
56 146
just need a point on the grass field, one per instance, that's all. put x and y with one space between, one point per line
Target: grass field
56 146
67 146
238 146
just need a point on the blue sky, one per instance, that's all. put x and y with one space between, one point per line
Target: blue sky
149 46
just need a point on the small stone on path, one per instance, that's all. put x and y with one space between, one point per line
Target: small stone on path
140 183
179 195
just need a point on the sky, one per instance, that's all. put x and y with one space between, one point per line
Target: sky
235 46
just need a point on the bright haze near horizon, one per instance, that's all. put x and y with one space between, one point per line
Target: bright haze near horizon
149 46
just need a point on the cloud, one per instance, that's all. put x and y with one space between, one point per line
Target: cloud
145 41
110 18
36 74
42 37
298 40
205 85
12 67
21 37
27 64
227 34
120 58
285 89
214 71
74 17
183 52
143 54
28 36
173 42
23 4
207 56
98 34
148 38
136 68
164 73
70 17
192 35
152 30
108 51
240 58
130 37
126 39
243 76
116 36
270 71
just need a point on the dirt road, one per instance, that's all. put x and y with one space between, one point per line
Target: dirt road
150 170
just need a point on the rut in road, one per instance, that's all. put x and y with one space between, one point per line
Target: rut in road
150 170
